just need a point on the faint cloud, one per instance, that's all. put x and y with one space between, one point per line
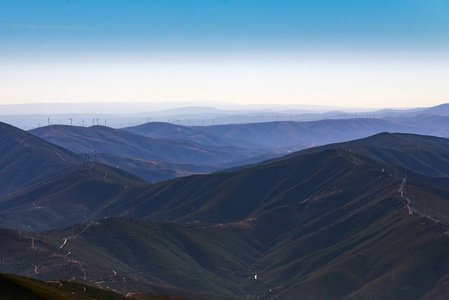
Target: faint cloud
48 27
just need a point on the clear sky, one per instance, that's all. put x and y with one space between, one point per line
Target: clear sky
381 53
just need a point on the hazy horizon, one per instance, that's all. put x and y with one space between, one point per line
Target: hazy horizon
122 114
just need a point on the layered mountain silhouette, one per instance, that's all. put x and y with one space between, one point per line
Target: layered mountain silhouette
198 135
304 134
363 219
178 155
311 133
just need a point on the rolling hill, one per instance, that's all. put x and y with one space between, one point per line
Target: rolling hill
219 197
72 197
26 160
320 215
439 124
423 155
333 222
126 144
313 133
162 130
427 155
136 255
154 171
352 242
15 287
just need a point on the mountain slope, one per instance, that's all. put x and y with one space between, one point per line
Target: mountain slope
424 155
149 257
161 130
154 171
349 243
26 160
126 144
14 287
427 155
17 288
72 197
330 223
224 197
275 134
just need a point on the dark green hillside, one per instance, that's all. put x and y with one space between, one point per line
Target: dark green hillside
427 155
26 160
225 197
17 288
351 241
365 247
14 287
199 259
391 258
72 197
327 216
329 224
152 257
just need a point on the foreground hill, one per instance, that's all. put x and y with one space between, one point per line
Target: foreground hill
148 257
427 155
26 160
17 288
14 287
344 244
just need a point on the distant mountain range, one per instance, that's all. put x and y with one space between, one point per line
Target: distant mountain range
286 133
119 115
160 151
152 158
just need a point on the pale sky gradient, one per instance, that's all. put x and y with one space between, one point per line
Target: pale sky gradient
339 53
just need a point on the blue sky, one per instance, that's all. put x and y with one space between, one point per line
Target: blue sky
349 53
